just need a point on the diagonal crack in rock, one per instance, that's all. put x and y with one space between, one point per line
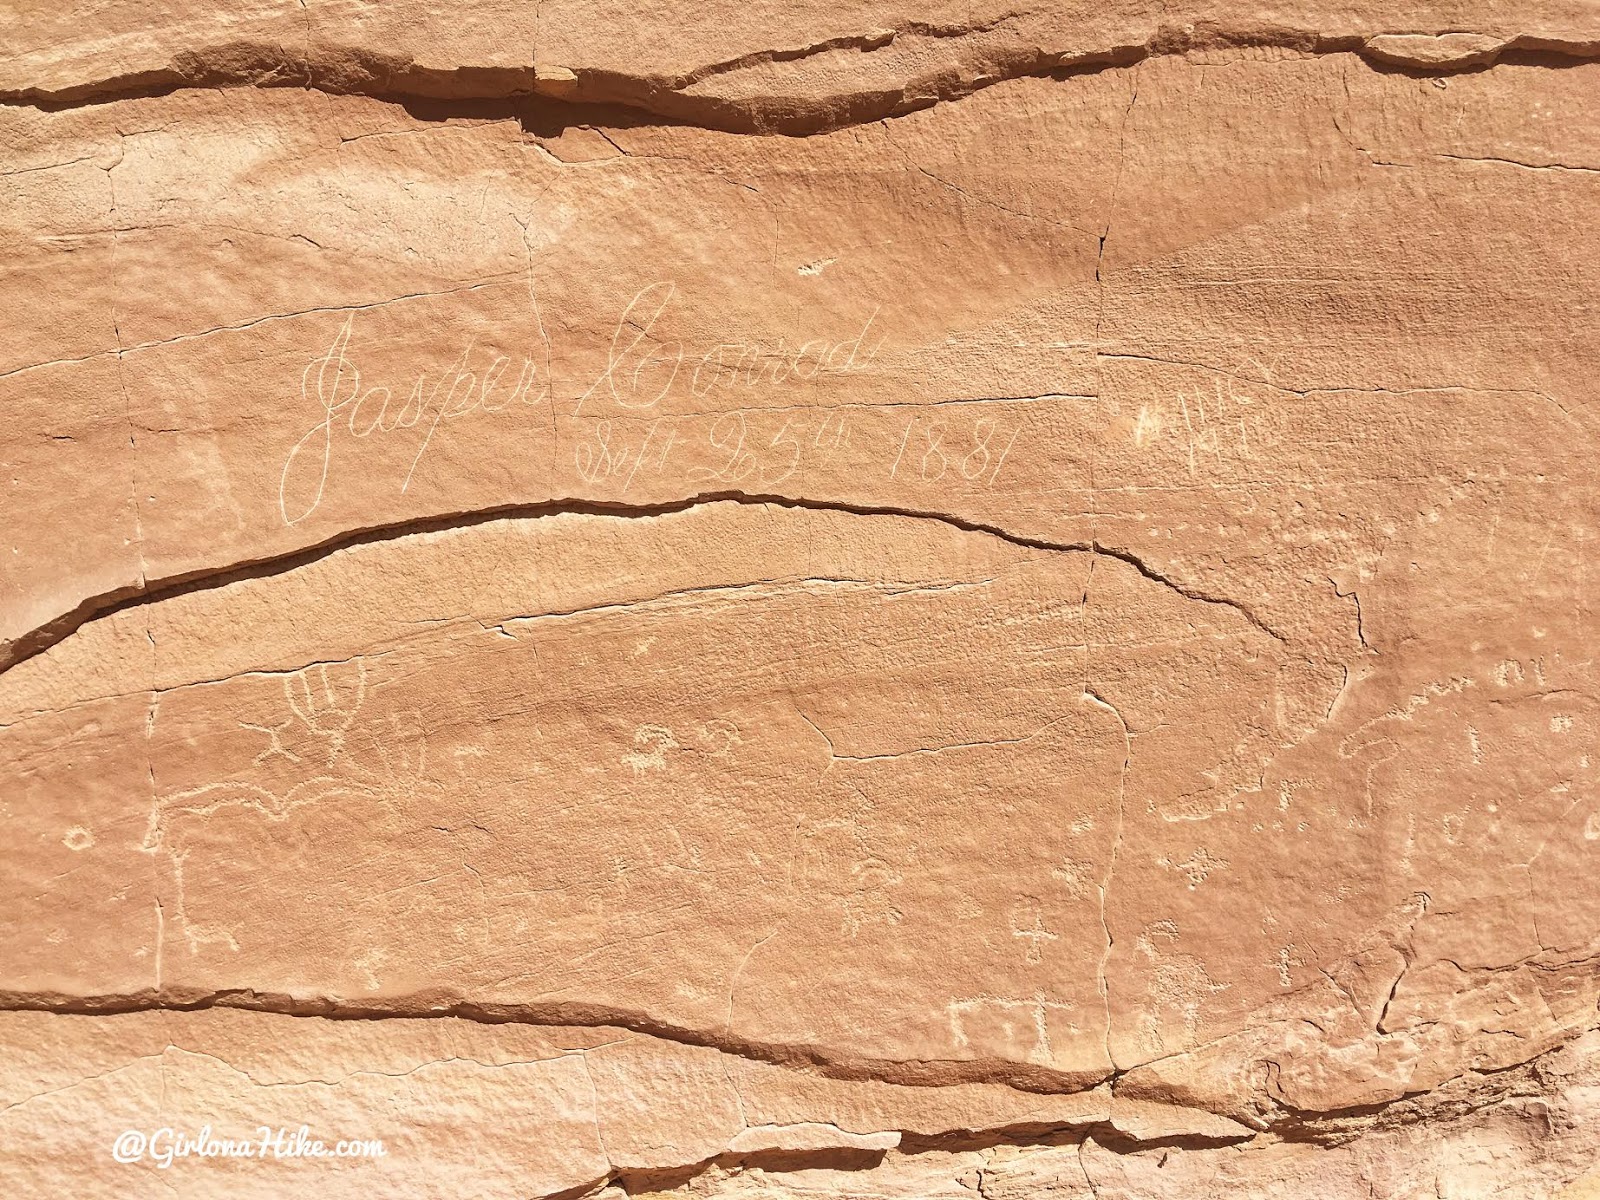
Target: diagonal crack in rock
106 604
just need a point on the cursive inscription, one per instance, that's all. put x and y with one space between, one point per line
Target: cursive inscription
331 383
642 370
931 457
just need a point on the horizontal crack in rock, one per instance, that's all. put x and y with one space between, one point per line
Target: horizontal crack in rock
569 95
909 1072
108 604
1473 1091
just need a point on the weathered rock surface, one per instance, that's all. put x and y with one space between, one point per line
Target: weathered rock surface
809 601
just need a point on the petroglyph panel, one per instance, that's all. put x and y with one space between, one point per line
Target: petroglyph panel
800 600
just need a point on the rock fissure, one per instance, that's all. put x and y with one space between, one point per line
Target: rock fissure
99 607
574 94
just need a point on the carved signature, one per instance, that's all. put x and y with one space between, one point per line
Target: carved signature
331 383
640 371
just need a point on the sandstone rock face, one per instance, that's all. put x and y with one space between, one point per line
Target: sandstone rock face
789 600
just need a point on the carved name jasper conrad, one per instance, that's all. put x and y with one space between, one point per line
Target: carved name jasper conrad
640 372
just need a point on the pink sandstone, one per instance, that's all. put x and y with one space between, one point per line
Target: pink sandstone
801 600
